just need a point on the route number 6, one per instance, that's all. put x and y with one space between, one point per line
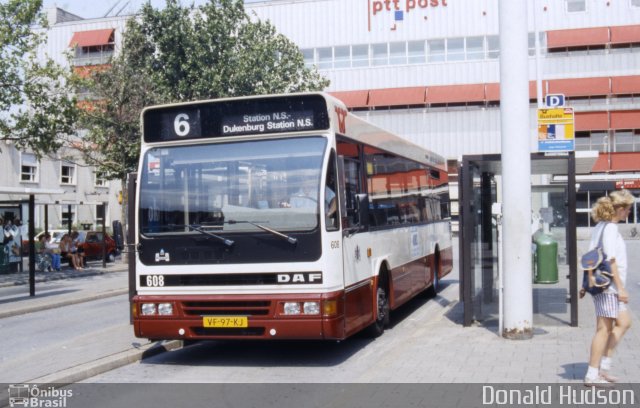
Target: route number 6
181 124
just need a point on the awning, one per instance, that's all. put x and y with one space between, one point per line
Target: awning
592 121
580 86
626 120
625 85
92 38
579 37
625 34
397 96
353 99
492 92
627 161
455 93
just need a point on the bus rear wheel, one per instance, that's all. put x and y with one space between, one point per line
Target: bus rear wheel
382 312
432 291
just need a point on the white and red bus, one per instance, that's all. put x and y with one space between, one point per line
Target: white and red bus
281 217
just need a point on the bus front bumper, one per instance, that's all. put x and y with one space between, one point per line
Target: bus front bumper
203 317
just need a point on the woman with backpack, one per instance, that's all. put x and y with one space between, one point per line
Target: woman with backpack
612 315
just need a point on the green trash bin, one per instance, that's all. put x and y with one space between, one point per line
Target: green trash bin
546 270
4 260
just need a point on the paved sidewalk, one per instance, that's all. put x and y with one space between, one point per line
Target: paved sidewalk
76 357
14 288
442 350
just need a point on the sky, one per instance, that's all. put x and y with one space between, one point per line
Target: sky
96 9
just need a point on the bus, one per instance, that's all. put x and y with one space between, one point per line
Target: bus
281 217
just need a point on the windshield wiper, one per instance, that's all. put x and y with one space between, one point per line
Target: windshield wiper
224 240
286 237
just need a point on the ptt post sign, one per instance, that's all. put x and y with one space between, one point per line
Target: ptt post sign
556 130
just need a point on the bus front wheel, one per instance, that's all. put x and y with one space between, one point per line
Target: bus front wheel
382 311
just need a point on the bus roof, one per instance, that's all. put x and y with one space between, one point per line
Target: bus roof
271 114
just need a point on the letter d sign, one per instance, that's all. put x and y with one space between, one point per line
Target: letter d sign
554 101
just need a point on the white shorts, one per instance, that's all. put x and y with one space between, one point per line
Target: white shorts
607 305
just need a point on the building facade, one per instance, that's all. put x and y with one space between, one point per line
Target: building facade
429 70
425 69
66 190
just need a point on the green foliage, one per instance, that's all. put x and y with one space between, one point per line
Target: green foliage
36 111
181 54
217 50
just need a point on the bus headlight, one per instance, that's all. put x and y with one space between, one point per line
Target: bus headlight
148 309
165 309
311 308
291 308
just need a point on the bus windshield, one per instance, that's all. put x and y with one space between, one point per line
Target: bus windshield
232 187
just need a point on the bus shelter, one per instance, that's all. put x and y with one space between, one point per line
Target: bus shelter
15 208
554 270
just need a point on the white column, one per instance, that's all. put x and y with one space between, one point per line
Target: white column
516 170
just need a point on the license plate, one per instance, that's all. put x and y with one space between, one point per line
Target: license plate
225 321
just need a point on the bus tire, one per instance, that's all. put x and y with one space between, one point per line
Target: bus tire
382 309
432 291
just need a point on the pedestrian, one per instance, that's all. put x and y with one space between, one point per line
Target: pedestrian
76 248
53 251
612 314
68 251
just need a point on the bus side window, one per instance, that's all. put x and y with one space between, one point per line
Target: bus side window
349 154
351 187
331 197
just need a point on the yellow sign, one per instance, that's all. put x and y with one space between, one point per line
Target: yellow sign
556 130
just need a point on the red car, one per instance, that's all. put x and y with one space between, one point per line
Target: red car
91 244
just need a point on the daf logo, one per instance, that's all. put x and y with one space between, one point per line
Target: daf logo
300 277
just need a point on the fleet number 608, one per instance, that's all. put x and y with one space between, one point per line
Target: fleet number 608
155 280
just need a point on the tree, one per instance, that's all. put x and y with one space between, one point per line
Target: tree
217 50
180 54
36 111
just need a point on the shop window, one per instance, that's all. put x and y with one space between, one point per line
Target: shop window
583 141
308 56
398 53
436 50
379 54
342 57
360 55
475 48
28 168
325 58
493 47
455 49
623 141
416 52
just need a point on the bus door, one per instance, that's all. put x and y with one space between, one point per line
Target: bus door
354 220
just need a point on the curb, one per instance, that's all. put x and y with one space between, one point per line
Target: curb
47 306
87 370
24 278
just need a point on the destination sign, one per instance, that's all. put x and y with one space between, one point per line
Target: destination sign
226 118
268 123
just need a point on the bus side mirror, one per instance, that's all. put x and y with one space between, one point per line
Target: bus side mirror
362 209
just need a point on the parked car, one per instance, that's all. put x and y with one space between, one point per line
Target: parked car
91 244
56 236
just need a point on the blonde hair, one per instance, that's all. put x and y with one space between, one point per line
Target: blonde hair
605 208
